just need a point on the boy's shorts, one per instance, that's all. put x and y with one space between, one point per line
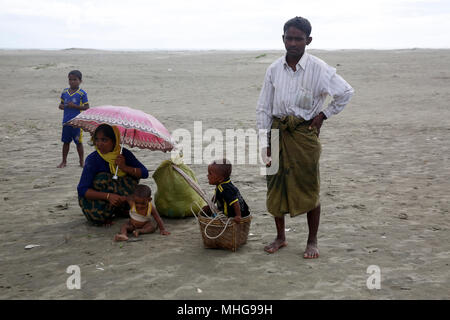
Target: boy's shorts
70 133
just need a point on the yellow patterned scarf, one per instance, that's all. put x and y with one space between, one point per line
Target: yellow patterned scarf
110 157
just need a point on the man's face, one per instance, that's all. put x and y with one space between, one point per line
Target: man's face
295 41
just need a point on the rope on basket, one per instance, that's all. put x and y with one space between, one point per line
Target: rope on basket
197 188
220 216
202 194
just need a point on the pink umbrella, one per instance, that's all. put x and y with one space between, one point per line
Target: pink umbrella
137 128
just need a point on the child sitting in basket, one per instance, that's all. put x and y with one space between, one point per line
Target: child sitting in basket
226 196
144 218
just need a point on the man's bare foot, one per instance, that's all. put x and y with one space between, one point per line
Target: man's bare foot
136 233
275 246
120 237
62 165
311 251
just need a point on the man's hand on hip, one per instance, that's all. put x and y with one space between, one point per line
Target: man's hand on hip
317 122
266 156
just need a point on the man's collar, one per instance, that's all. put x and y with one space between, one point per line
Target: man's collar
301 63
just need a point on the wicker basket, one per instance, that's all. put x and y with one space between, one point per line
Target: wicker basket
220 231
223 232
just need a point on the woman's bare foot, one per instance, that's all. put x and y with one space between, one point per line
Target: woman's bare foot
120 237
62 164
275 246
108 223
311 251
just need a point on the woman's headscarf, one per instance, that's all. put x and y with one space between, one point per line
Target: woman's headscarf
110 157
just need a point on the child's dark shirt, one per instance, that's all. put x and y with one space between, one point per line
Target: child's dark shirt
226 195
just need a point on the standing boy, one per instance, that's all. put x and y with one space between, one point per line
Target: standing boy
73 101
291 100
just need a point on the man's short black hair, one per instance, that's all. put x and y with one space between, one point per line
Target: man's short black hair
300 24
142 191
76 73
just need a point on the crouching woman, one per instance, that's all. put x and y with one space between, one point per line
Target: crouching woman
101 197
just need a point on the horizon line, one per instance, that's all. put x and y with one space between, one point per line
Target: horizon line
216 49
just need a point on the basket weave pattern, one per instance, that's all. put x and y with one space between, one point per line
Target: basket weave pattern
232 238
218 232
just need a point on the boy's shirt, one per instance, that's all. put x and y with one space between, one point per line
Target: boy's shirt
79 98
226 195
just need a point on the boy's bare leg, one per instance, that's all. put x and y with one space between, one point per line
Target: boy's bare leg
147 228
280 240
311 251
80 154
65 152
123 235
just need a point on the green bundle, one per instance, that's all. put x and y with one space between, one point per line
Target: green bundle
175 196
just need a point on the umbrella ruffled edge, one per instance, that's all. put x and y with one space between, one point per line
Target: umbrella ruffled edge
166 143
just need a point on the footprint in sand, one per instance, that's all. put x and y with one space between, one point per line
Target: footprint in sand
359 206
40 184
62 206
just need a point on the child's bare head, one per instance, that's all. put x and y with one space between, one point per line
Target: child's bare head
141 197
218 171
76 73
142 191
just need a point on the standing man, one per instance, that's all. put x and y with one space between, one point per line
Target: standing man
291 100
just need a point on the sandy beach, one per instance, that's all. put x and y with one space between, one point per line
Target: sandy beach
385 180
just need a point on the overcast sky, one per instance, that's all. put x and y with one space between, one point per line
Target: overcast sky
226 24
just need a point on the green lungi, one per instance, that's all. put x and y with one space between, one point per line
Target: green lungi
100 211
296 186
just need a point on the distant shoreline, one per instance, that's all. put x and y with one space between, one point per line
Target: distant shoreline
85 50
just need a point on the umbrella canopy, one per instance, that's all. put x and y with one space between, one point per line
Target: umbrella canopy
137 128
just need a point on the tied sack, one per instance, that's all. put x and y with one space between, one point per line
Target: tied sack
174 196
